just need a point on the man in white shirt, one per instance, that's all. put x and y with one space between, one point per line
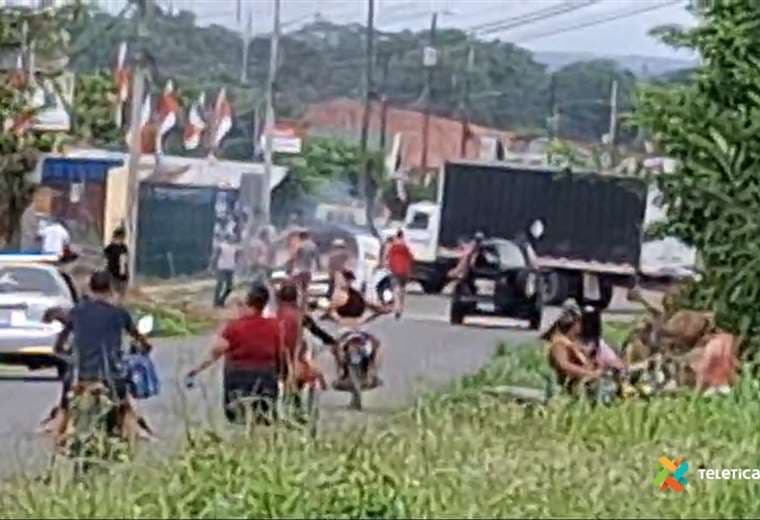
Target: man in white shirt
55 238
225 261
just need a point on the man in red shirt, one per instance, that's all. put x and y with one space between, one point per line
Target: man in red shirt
400 261
253 348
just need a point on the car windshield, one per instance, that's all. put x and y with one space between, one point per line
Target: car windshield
510 255
28 280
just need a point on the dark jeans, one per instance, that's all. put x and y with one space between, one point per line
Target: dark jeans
224 284
258 385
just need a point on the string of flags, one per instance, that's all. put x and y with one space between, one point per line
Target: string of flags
204 126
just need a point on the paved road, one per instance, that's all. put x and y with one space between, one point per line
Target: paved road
422 351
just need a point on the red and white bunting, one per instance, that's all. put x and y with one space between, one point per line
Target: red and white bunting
145 128
195 123
121 76
222 119
166 114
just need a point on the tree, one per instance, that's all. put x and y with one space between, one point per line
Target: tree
22 29
710 125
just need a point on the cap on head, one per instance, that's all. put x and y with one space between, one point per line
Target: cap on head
479 236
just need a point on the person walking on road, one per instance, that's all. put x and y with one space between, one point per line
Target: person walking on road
337 261
55 238
117 262
400 261
253 350
261 255
305 261
225 262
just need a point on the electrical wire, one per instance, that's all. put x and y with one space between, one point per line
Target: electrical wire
607 19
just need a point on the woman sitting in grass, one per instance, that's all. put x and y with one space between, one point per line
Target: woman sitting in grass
571 365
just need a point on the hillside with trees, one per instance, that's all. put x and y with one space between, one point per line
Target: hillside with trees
508 88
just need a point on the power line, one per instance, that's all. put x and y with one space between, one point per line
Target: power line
598 21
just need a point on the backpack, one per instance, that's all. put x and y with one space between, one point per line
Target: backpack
142 377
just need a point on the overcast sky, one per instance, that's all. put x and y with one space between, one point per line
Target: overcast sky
626 35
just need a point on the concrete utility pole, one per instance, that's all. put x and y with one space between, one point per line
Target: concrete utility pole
613 120
554 109
464 105
369 57
246 44
385 60
429 61
145 11
270 117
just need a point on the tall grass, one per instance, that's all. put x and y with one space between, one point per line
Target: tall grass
458 453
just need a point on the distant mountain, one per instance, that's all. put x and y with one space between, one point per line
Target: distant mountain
641 66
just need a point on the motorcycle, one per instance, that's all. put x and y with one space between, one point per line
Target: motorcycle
92 425
357 363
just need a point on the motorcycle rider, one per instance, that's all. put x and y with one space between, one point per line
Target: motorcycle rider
97 325
252 346
349 310
472 259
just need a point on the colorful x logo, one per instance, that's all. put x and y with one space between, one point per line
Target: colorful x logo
671 476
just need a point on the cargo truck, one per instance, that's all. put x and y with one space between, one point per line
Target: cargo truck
592 225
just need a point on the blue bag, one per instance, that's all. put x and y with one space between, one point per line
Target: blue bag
142 377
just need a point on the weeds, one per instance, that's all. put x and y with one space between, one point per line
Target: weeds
455 454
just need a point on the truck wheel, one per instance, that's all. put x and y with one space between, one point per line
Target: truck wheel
553 288
606 291
535 320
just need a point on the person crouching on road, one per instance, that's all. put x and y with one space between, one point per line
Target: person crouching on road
252 346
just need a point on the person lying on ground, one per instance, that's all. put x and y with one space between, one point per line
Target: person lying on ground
348 307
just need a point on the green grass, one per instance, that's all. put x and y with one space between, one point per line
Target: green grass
457 453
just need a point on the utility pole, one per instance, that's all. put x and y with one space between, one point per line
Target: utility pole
385 59
246 45
613 120
430 61
464 104
269 117
145 11
364 179
553 126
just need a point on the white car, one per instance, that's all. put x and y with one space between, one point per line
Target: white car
29 286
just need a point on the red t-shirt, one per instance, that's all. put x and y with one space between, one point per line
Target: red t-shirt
288 316
255 342
400 259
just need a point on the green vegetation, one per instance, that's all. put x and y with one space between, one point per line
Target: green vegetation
170 322
459 453
322 60
710 126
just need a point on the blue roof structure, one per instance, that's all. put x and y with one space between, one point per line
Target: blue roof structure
61 169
